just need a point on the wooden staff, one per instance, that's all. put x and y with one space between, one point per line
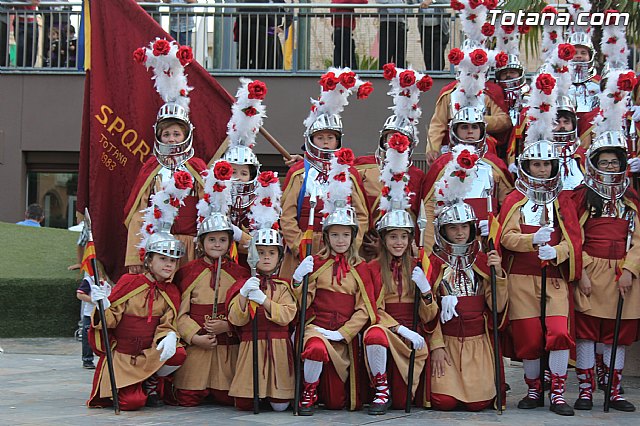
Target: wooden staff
252 260
494 313
544 360
275 143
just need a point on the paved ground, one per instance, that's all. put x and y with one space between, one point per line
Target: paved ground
42 383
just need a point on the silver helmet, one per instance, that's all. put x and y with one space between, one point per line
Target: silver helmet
396 219
392 125
608 185
539 190
459 254
244 192
162 242
585 70
173 156
512 84
566 142
217 221
469 115
268 237
343 214
318 157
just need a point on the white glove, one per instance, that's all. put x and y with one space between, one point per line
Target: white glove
237 233
448 308
547 252
417 341
513 168
167 346
418 277
330 335
634 165
636 112
542 235
100 292
252 283
484 228
305 267
257 296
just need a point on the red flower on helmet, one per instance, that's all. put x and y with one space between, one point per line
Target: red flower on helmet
544 107
257 90
161 47
140 55
508 29
488 29
478 57
207 198
266 201
553 35
185 55
425 83
475 3
341 177
250 111
183 180
397 177
223 170
329 81
174 202
566 51
550 9
466 159
502 59
627 81
612 40
345 157
460 174
267 178
218 188
365 90
157 213
407 78
141 253
491 4
385 191
455 56
399 142
348 79
389 71
545 82
524 29
456 5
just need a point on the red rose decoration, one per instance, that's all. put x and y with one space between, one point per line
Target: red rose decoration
345 156
141 253
618 96
183 180
389 71
329 81
544 107
508 29
479 57
399 142
456 5
218 188
266 201
627 81
475 3
460 174
612 40
397 177
206 198
545 82
488 29
455 56
157 213
491 4
267 178
550 9
348 79
553 35
467 160
140 55
174 202
524 29
223 170
407 78
425 84
385 191
566 51
257 90
250 111
472 17
502 59
364 90
161 47
185 55
341 177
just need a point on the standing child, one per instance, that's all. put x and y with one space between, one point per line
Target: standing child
275 310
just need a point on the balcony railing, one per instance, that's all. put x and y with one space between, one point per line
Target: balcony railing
266 38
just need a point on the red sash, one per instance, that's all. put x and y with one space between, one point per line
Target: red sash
198 312
529 263
332 309
470 319
606 237
266 329
134 334
401 312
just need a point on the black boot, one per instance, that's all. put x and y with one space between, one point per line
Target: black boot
382 401
533 398
556 396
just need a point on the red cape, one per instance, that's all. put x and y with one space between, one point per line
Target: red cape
579 196
189 272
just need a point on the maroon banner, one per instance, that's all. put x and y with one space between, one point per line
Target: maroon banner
120 107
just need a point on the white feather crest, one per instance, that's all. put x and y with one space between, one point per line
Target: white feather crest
337 190
472 79
614 45
456 181
217 194
508 43
576 7
406 99
541 113
266 208
552 36
247 116
395 164
472 21
332 101
613 105
561 72
170 81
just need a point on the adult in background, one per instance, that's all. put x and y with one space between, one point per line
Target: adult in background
344 50
393 32
33 216
433 25
181 21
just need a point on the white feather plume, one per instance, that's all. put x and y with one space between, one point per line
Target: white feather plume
613 104
472 21
614 45
552 36
396 164
576 7
262 215
541 113
456 181
242 128
406 99
337 190
217 192
508 43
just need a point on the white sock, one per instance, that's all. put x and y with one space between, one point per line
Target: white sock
619 356
558 361
531 368
165 370
599 348
377 358
585 355
279 406
312 370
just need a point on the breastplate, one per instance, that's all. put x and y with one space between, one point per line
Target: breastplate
316 184
460 282
531 213
583 96
483 185
571 174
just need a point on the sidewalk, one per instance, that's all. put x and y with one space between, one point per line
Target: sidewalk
42 383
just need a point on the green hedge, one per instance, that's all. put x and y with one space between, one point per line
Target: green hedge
37 293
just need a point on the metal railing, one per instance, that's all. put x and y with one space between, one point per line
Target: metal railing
230 38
